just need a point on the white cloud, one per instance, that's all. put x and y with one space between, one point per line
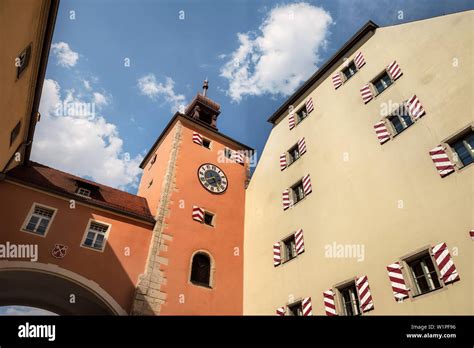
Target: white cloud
149 86
22 310
100 99
82 146
283 55
65 56
87 85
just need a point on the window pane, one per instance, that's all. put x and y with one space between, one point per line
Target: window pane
99 242
463 153
42 226
201 269
470 141
396 124
89 239
32 223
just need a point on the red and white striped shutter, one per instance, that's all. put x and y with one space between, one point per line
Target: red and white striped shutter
415 107
299 241
309 105
445 263
365 297
382 132
281 311
336 80
307 188
359 60
276 254
291 120
197 138
286 199
366 93
283 161
441 161
301 146
394 70
329 304
198 214
399 288
307 306
239 156
471 234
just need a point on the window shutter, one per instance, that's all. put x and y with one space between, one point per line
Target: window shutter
238 156
291 120
198 214
415 107
441 161
309 105
471 234
382 132
359 60
283 161
394 70
336 80
280 311
307 188
329 305
197 138
276 254
307 307
399 288
299 241
445 263
302 146
365 297
286 199
366 93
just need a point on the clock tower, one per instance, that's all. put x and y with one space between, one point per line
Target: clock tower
194 178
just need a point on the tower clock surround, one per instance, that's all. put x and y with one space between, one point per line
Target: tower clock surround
212 178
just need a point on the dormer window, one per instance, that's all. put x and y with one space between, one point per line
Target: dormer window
83 192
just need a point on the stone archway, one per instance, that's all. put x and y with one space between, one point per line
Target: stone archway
50 287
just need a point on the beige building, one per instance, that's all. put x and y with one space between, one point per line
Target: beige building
370 204
26 33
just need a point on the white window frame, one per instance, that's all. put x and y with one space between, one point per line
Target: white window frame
81 191
106 237
30 214
340 297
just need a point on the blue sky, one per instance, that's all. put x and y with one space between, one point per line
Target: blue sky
239 45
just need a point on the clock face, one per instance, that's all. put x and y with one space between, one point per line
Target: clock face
212 178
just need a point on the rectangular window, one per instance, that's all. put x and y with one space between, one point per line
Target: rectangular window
350 299
228 153
294 154
382 82
289 248
301 114
424 274
83 192
208 218
298 192
14 133
206 143
39 220
400 119
349 71
463 147
295 309
22 61
96 235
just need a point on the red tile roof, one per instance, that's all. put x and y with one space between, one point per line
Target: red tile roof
64 184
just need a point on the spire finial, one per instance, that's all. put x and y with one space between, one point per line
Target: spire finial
205 86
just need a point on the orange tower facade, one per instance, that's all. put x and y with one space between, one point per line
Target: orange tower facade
194 180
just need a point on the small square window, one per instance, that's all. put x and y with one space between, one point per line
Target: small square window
22 61
39 220
400 119
83 192
301 114
209 218
153 160
95 237
349 299
349 71
15 132
289 248
294 154
463 147
206 143
423 273
150 183
298 192
295 309
228 153
382 82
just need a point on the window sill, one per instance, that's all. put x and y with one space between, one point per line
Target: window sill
201 285
377 94
299 122
289 260
34 233
426 293
93 249
463 167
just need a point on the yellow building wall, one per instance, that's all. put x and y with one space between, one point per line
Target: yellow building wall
358 185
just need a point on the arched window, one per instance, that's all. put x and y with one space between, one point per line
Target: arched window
201 270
